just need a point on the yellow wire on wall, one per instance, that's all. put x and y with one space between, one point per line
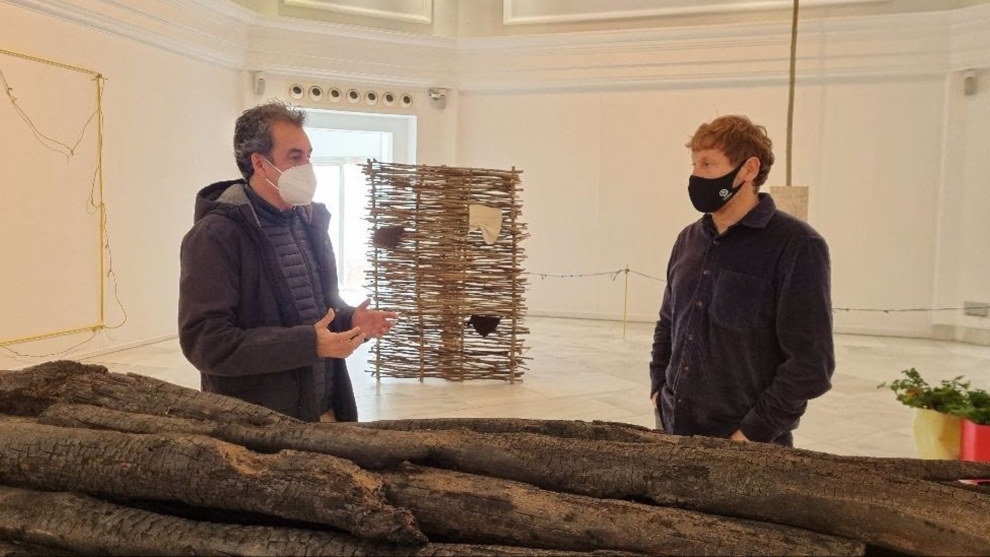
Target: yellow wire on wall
98 78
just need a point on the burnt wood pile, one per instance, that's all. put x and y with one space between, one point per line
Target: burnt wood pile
93 462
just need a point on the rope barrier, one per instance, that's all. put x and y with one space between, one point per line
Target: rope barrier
614 274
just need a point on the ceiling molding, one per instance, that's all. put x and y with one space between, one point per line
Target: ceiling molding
263 22
902 45
187 27
225 34
970 40
529 12
417 11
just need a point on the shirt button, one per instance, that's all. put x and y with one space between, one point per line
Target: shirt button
690 337
698 303
686 367
714 242
706 272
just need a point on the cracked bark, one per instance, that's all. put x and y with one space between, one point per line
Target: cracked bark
893 512
16 548
568 429
934 470
47 523
466 507
201 471
375 447
31 390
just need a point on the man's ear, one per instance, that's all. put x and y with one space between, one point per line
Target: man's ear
257 162
751 169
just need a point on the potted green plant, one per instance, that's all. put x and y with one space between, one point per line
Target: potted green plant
975 432
937 421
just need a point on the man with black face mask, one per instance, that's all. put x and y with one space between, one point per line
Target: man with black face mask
744 338
260 314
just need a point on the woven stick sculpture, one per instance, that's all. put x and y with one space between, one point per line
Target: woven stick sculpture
460 291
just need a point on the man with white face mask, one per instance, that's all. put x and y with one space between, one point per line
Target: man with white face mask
260 314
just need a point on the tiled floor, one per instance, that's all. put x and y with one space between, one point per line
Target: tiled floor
585 370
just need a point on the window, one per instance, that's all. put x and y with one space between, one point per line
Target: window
342 143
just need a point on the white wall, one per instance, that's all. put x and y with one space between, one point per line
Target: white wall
168 124
963 239
605 177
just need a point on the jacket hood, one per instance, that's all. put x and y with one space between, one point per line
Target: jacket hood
226 197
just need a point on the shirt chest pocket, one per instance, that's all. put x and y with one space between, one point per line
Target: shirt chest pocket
740 301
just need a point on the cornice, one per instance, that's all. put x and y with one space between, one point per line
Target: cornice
268 22
424 13
606 10
970 38
901 45
188 27
226 34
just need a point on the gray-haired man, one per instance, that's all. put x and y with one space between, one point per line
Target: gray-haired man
260 314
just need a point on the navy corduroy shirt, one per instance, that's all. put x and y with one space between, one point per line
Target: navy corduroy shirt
744 338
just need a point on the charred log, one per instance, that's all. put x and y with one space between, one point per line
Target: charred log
202 471
90 526
465 507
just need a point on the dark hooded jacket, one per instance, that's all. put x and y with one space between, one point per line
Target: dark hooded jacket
238 323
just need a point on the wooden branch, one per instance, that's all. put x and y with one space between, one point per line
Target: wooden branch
201 471
465 507
14 548
31 390
370 449
935 470
55 523
569 429
841 499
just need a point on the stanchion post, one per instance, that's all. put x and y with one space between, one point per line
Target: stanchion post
625 303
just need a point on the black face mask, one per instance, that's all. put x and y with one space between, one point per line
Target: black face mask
710 194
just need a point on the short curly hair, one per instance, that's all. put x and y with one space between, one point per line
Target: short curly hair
253 131
739 138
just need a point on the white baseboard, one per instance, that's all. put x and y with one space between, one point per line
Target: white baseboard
882 332
595 316
120 347
958 333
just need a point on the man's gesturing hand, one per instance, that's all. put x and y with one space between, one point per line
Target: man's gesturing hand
335 345
375 323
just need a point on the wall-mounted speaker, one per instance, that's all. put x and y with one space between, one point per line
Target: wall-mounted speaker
259 82
970 83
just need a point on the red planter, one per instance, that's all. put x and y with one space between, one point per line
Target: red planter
974 442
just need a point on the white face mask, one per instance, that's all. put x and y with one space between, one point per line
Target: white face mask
296 185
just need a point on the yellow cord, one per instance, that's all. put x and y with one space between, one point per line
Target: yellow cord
96 200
